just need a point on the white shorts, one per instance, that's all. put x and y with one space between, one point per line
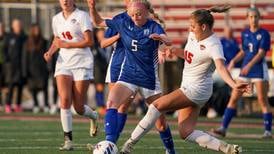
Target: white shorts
78 74
198 95
146 93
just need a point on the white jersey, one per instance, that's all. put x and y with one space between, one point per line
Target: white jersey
199 66
72 30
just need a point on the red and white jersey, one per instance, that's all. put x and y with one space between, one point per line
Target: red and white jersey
72 30
199 65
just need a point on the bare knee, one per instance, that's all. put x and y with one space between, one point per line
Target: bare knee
79 110
161 124
185 132
65 103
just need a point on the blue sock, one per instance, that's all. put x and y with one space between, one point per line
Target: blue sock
167 140
267 121
228 115
111 122
122 118
99 96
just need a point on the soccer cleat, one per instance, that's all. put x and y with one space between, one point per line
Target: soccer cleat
170 152
67 146
93 130
90 147
53 109
233 149
127 147
219 132
46 109
267 135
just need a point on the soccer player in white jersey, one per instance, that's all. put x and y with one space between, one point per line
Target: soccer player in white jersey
74 67
203 52
255 44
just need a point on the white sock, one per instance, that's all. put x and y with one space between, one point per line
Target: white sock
66 120
205 140
88 112
146 123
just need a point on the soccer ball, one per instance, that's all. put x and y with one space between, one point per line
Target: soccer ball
105 147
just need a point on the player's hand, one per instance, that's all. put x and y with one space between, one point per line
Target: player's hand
91 4
163 39
60 43
161 57
243 87
47 56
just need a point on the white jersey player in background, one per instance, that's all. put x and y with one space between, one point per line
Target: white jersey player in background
202 54
72 31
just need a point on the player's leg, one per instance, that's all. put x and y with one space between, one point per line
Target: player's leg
64 86
261 87
119 94
163 128
79 96
170 102
229 114
187 120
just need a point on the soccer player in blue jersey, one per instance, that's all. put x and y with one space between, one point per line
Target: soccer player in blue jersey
141 38
255 43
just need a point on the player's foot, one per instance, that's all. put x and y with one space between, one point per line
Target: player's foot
267 135
127 147
219 132
233 149
90 147
94 125
67 146
53 109
170 152
46 109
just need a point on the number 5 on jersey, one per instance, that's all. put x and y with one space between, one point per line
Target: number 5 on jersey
134 45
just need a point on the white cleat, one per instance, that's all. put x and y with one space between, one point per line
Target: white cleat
90 147
127 147
267 135
233 149
67 146
93 130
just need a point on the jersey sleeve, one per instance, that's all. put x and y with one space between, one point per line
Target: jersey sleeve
85 22
216 51
159 29
114 24
110 32
265 42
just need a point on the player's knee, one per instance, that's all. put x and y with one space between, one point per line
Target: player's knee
79 110
185 132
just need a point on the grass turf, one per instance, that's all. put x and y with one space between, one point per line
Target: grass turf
22 134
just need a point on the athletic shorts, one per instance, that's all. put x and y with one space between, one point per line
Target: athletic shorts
146 93
78 74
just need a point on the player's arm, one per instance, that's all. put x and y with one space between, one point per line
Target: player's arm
240 55
254 60
86 42
105 42
224 73
96 18
53 48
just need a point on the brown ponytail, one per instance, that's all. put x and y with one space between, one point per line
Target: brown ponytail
204 16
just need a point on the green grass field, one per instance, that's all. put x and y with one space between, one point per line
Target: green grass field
41 134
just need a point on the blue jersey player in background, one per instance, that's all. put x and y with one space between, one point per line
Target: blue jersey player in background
255 44
141 38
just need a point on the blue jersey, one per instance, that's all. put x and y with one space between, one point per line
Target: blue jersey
118 54
230 48
251 43
140 64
